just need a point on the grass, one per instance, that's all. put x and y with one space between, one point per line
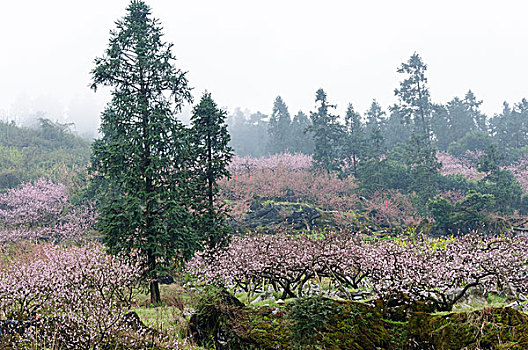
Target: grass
173 314
171 295
492 300
162 318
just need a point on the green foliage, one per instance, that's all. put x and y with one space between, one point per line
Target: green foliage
415 107
472 141
354 142
310 316
441 210
464 216
506 190
394 129
50 150
510 128
489 162
301 140
459 117
144 150
383 174
499 182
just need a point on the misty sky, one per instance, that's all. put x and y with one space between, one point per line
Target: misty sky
248 52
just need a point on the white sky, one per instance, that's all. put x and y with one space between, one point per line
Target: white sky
248 52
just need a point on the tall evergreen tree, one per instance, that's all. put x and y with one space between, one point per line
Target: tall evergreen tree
375 117
440 126
212 155
301 140
415 106
279 127
249 134
473 106
143 153
354 142
374 148
510 128
327 134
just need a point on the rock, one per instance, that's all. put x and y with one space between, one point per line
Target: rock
166 280
132 320
296 215
264 296
360 326
255 205
212 321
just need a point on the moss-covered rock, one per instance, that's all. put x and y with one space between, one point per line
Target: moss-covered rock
212 323
489 328
321 323
400 307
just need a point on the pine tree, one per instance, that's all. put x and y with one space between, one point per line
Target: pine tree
279 128
375 116
212 155
415 106
327 134
479 118
302 140
144 150
355 138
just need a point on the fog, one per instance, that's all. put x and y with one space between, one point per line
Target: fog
247 53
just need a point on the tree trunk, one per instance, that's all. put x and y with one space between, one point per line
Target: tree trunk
155 297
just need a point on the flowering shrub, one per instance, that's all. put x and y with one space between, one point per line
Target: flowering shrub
81 292
81 295
520 171
285 175
437 271
464 166
248 165
40 211
33 203
389 207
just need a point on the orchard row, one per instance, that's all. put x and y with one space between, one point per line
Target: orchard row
440 272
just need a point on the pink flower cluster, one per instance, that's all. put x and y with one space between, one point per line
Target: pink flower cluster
248 165
520 171
464 166
391 208
437 271
33 203
80 293
442 271
281 175
40 211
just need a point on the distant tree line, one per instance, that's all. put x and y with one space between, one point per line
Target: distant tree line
50 150
455 127
397 148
